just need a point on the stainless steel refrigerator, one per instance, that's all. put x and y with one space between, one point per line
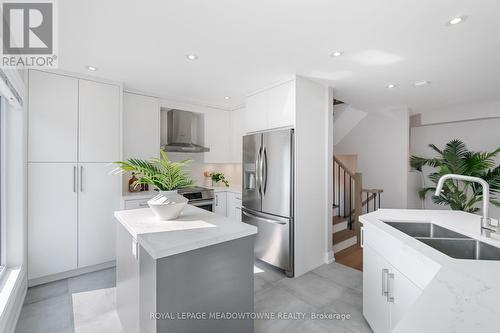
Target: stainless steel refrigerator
268 195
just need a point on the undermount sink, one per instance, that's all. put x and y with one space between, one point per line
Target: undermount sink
449 242
463 248
424 229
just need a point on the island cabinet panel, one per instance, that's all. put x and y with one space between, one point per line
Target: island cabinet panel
388 294
127 280
212 279
375 305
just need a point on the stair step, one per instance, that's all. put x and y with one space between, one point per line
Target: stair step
343 235
339 219
347 251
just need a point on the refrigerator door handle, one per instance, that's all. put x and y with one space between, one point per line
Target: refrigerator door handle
265 170
259 171
262 218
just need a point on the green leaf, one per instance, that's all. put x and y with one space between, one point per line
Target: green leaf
456 158
161 172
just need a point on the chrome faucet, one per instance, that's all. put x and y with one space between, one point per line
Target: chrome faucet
486 222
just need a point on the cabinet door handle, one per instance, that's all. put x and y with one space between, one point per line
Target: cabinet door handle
362 237
390 287
385 273
74 178
81 178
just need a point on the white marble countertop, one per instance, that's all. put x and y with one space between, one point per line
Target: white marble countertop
139 195
464 295
194 229
232 189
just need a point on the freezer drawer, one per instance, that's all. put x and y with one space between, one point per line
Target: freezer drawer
272 243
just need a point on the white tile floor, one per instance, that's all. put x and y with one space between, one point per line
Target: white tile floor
67 305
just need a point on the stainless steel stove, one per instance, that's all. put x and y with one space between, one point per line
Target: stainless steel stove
200 197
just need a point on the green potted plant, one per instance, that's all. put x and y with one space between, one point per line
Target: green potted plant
166 177
217 178
456 158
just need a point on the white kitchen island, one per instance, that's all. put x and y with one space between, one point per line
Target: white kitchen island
177 276
409 286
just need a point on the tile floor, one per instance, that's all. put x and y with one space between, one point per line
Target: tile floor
330 288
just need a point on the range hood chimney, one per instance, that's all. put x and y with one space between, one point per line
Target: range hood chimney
181 128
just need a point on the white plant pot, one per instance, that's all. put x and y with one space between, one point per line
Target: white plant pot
168 205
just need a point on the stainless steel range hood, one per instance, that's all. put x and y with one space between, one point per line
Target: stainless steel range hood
181 131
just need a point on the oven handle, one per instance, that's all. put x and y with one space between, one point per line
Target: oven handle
202 202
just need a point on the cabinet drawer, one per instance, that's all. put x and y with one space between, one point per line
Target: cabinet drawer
405 259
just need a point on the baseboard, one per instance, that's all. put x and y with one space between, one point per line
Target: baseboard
72 273
330 257
15 304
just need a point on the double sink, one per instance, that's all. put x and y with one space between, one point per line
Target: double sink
448 242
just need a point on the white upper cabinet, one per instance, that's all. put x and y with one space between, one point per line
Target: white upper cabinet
281 105
236 135
141 126
256 112
217 129
53 117
271 108
99 122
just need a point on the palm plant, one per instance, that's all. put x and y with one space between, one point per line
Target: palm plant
456 158
161 172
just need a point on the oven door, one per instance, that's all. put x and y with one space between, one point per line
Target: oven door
203 204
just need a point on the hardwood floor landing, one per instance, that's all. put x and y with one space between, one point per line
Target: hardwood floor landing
351 257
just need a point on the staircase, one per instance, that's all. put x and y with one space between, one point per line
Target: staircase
350 200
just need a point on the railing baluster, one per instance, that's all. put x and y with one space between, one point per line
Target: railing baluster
379 195
350 202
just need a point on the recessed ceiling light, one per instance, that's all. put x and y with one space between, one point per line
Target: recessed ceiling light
227 97
421 83
390 86
91 68
192 56
337 53
456 20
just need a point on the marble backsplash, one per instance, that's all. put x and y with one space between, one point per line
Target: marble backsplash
198 167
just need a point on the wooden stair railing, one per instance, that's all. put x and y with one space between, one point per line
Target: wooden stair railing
348 195
372 199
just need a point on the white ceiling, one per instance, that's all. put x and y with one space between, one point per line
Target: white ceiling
247 44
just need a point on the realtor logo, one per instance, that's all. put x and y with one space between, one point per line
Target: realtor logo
28 34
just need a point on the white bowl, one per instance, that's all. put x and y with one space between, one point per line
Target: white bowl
168 208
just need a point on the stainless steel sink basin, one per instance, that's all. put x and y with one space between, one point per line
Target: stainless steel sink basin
463 248
424 229
449 242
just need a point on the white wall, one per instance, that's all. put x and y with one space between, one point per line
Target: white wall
381 142
478 135
462 112
311 173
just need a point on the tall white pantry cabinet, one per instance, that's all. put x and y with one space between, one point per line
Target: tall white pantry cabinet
74 132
